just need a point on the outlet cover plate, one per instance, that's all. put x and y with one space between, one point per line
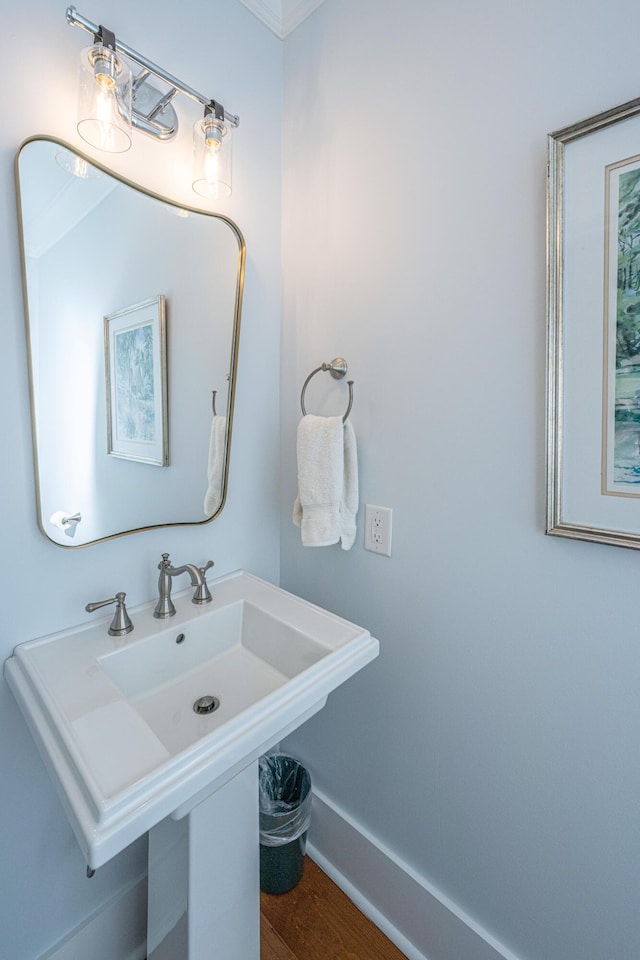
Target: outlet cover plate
377 529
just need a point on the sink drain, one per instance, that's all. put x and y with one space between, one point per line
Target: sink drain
206 704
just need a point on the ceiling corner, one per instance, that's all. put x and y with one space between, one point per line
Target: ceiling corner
269 11
282 16
295 11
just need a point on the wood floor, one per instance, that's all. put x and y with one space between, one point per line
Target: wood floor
317 921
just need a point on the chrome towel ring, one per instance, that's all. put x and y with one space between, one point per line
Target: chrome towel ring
337 368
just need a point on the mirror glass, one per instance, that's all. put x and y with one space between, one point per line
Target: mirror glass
133 314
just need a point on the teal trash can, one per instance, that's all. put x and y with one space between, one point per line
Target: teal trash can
285 814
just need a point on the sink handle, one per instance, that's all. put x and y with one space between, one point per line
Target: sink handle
202 593
121 624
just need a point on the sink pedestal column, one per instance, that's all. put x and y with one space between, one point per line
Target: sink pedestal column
204 878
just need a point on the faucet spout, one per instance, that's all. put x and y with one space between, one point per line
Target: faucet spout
165 607
191 569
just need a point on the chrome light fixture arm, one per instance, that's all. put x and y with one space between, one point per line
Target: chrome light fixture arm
148 123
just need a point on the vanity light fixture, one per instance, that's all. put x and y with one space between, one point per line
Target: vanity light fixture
212 154
112 100
104 100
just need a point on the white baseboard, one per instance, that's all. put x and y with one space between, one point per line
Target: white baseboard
422 922
117 930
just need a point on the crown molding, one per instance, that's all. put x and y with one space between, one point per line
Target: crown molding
269 11
282 16
295 11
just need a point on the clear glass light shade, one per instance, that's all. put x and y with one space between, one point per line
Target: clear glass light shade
104 102
76 166
212 149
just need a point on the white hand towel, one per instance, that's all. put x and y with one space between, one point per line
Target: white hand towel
213 496
327 502
349 505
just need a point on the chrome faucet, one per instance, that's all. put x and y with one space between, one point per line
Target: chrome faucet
165 606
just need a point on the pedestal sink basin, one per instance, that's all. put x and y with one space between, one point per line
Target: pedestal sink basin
114 717
160 732
236 656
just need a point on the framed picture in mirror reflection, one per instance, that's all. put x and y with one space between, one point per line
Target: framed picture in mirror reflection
135 344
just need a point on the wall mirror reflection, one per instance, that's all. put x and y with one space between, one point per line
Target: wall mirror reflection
95 248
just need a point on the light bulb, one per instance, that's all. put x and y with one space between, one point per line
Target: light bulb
104 69
212 158
213 133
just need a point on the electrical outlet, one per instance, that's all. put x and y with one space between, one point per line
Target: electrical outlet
377 529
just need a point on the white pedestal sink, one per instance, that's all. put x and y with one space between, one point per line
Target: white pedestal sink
114 721
204 875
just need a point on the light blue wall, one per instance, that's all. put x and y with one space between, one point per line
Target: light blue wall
227 53
493 746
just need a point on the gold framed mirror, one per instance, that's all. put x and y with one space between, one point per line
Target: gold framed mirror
133 308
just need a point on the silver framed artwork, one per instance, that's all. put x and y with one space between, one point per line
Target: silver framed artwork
135 344
593 324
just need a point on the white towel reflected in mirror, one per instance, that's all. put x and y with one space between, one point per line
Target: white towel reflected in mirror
215 465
